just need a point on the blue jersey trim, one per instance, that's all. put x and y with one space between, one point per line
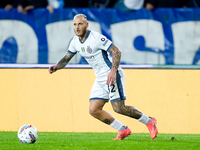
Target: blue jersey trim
85 37
71 52
69 43
110 47
117 99
105 57
120 87
97 98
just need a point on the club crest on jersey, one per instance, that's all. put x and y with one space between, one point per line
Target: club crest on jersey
89 50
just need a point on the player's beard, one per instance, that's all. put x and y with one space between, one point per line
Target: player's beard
82 34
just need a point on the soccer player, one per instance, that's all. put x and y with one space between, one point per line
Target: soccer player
110 78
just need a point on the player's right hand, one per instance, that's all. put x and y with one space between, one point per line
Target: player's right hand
53 69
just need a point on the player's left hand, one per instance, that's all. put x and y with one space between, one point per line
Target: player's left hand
111 78
53 69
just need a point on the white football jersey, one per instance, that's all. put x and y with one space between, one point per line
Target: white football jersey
94 49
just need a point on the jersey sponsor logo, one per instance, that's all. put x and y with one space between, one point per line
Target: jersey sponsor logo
103 39
105 42
89 57
89 50
82 49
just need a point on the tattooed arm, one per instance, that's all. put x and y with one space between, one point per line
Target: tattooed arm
62 63
116 56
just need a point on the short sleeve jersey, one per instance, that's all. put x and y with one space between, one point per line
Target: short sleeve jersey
94 49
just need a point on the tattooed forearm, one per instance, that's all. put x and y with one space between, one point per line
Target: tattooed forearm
116 56
64 61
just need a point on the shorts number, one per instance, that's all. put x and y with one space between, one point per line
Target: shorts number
113 88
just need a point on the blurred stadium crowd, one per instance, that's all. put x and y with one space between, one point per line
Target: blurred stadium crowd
24 6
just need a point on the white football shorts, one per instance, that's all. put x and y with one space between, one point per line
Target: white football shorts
101 91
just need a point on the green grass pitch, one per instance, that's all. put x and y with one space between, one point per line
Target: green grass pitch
101 141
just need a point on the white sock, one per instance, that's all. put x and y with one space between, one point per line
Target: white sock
144 119
116 124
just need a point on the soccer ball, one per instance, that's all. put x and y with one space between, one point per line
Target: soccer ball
27 134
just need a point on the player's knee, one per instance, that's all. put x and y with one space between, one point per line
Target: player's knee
93 112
